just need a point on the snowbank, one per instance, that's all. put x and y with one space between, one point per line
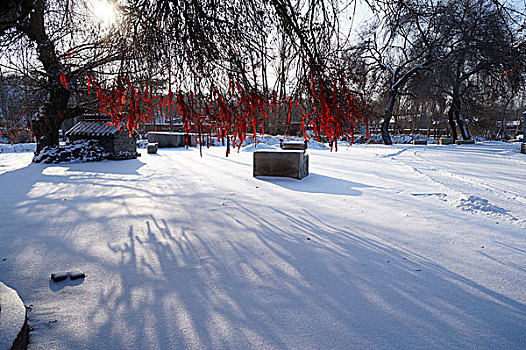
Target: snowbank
17 148
272 142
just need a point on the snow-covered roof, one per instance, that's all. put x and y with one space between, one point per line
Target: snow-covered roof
92 129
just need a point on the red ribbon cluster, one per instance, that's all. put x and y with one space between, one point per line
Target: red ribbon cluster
234 114
334 112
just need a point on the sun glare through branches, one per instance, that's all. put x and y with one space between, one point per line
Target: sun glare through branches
104 11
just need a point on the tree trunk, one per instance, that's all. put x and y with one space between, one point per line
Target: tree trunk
46 127
503 130
46 132
387 118
55 110
452 123
463 125
385 131
456 110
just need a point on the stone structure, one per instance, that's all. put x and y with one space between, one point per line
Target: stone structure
281 163
293 145
419 142
444 141
152 148
171 139
465 142
118 143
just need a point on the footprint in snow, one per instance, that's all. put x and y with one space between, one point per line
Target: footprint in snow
441 196
479 205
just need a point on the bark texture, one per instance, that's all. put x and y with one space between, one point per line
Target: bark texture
55 110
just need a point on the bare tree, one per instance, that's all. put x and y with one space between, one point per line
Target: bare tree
480 44
67 46
13 12
399 45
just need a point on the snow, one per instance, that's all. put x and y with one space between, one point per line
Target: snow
268 142
12 317
380 247
76 151
18 147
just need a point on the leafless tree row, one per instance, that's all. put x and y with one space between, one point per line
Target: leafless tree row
460 55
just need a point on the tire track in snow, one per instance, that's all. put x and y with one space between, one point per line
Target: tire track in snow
467 193
477 183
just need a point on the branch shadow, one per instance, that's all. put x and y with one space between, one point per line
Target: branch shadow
340 287
317 183
253 275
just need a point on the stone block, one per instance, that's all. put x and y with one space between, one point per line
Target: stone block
152 148
444 141
170 139
465 142
76 274
293 145
59 276
419 142
294 164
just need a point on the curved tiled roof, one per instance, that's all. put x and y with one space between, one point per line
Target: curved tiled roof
92 129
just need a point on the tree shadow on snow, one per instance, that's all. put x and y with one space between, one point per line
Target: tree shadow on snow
118 167
292 281
316 183
252 275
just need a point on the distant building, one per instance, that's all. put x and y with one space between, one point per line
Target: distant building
509 129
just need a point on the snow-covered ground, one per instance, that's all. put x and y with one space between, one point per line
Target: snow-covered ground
17 148
402 247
